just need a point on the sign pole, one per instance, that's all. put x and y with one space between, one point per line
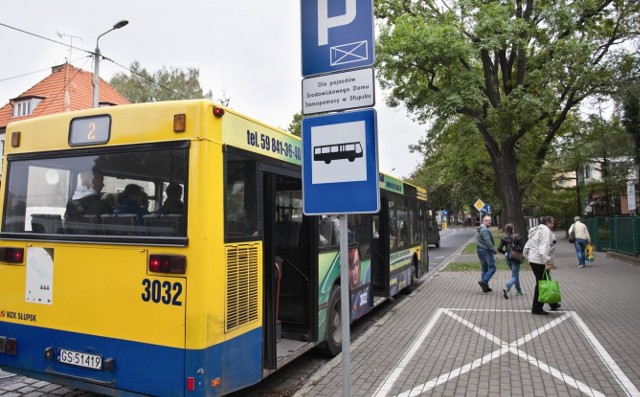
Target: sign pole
344 307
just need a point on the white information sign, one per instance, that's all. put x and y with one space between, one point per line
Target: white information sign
631 195
39 276
338 91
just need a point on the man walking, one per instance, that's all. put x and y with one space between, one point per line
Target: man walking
486 253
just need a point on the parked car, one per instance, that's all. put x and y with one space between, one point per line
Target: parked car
433 232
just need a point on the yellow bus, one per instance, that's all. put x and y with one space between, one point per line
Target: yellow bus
161 249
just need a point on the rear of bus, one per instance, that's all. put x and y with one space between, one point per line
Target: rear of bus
96 295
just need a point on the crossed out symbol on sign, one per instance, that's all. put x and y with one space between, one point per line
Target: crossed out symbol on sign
505 348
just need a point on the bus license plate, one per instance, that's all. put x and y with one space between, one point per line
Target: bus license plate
85 360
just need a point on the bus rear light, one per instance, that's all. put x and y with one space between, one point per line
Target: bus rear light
174 264
191 383
215 382
179 122
8 345
11 254
218 112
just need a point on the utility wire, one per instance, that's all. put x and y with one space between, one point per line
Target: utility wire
44 38
37 71
145 78
88 52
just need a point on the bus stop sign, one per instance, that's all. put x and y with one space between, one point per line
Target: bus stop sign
340 163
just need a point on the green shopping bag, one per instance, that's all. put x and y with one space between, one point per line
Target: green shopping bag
548 290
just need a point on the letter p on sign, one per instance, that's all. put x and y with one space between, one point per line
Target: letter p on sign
325 22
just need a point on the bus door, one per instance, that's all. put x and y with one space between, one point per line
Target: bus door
380 271
288 284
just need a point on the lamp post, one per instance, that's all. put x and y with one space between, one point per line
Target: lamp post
96 70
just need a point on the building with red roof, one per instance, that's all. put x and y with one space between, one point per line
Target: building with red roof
67 88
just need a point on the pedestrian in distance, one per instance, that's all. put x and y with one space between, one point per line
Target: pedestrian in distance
510 246
486 253
540 250
581 234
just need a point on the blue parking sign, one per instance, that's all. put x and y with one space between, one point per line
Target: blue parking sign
336 35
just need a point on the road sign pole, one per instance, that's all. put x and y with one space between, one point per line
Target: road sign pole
345 306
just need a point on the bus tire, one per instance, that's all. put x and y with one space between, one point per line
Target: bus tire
334 323
414 278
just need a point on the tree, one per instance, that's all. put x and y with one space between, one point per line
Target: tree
163 85
295 127
455 170
629 96
515 69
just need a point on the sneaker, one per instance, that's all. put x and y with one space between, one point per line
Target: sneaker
520 293
580 266
541 313
555 307
505 293
484 286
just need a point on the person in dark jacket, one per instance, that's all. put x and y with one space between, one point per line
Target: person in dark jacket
486 253
173 204
132 201
508 243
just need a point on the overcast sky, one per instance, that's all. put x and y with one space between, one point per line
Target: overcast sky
247 48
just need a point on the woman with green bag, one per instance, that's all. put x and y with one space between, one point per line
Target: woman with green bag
540 249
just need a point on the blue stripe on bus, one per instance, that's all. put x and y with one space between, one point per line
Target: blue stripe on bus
242 360
139 367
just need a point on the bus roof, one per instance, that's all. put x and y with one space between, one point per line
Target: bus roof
145 123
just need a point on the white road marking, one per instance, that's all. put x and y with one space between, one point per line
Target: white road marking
629 388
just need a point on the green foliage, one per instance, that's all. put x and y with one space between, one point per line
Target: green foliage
295 127
511 72
163 85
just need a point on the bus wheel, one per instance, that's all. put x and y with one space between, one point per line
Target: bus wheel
414 278
334 323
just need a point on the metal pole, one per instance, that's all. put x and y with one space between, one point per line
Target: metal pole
96 77
345 312
96 63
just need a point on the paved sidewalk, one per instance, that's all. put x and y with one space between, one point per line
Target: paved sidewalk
450 339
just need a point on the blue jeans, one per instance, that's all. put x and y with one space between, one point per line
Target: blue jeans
488 263
515 275
581 245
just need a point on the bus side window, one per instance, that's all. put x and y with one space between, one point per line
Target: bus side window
241 218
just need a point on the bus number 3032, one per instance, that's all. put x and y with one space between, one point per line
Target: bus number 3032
162 292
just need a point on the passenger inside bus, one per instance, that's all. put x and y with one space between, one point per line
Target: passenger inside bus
86 199
173 204
132 201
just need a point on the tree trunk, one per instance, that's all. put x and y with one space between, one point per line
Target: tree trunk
508 189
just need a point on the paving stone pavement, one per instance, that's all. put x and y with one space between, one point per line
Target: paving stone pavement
451 339
448 338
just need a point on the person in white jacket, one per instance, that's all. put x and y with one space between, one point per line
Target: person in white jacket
540 250
581 234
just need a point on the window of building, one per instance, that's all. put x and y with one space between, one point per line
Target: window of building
25 107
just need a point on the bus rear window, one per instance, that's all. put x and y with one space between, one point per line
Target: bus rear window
127 191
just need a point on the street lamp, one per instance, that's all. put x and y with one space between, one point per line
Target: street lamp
96 70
